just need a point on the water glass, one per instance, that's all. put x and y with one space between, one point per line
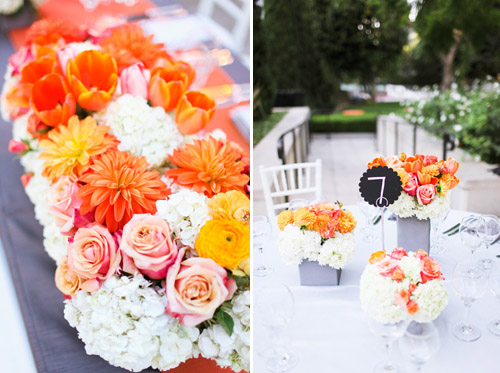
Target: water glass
261 234
469 232
420 343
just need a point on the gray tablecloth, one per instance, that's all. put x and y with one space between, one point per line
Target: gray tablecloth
55 345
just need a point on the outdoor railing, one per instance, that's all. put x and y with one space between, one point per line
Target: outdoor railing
299 136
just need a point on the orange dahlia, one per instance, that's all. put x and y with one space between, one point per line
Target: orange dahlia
209 166
69 149
128 45
119 185
49 31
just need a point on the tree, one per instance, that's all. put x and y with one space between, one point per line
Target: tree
445 25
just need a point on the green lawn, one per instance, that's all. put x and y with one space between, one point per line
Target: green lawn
337 122
262 127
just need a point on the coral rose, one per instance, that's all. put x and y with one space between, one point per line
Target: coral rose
398 253
425 194
93 256
285 218
411 185
195 288
227 242
232 205
146 244
431 270
67 282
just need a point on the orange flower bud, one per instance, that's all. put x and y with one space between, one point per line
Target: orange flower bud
194 111
167 87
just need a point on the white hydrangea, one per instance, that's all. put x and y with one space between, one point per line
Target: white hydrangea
125 323
410 265
9 83
407 206
54 242
38 190
10 6
230 351
432 298
296 245
141 129
186 211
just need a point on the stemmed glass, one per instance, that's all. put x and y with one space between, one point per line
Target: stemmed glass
275 308
370 212
437 238
469 281
297 203
494 326
388 333
469 232
420 343
488 231
261 232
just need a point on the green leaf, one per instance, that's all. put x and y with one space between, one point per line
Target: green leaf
225 320
241 281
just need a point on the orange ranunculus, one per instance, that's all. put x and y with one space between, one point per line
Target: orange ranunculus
232 205
285 218
166 87
426 179
93 77
376 257
377 162
304 217
209 166
413 164
194 112
52 101
347 221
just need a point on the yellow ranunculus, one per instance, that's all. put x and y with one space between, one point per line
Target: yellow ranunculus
226 242
232 205
285 218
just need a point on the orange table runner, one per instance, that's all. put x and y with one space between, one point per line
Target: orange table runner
72 10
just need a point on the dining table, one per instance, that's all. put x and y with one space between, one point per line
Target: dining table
34 336
329 332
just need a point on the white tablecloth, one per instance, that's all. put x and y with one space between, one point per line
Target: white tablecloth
330 331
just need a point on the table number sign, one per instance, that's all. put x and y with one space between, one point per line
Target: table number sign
380 186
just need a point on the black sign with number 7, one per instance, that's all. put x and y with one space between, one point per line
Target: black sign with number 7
380 186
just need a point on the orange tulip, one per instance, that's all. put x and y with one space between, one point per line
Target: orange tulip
194 112
51 100
167 87
92 77
425 179
413 164
182 67
377 162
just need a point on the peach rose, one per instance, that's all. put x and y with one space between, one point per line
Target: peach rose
431 270
411 185
398 253
146 245
425 194
195 288
66 281
65 205
93 256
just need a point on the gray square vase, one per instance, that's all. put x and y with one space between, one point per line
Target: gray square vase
314 274
414 234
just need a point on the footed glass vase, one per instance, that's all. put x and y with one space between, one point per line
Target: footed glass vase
414 234
314 274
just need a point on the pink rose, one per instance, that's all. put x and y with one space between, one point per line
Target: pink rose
430 159
398 253
19 59
387 267
450 166
134 80
411 185
69 52
93 256
195 288
146 246
65 206
425 194
16 146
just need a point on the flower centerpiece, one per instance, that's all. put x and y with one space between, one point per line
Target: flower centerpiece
426 182
402 284
154 268
319 239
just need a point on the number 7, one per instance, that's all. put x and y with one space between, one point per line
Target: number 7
381 201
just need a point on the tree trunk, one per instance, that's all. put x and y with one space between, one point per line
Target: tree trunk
447 61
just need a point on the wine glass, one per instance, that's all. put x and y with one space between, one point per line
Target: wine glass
437 246
488 231
261 232
469 281
388 333
420 343
297 203
275 307
469 232
494 326
370 212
